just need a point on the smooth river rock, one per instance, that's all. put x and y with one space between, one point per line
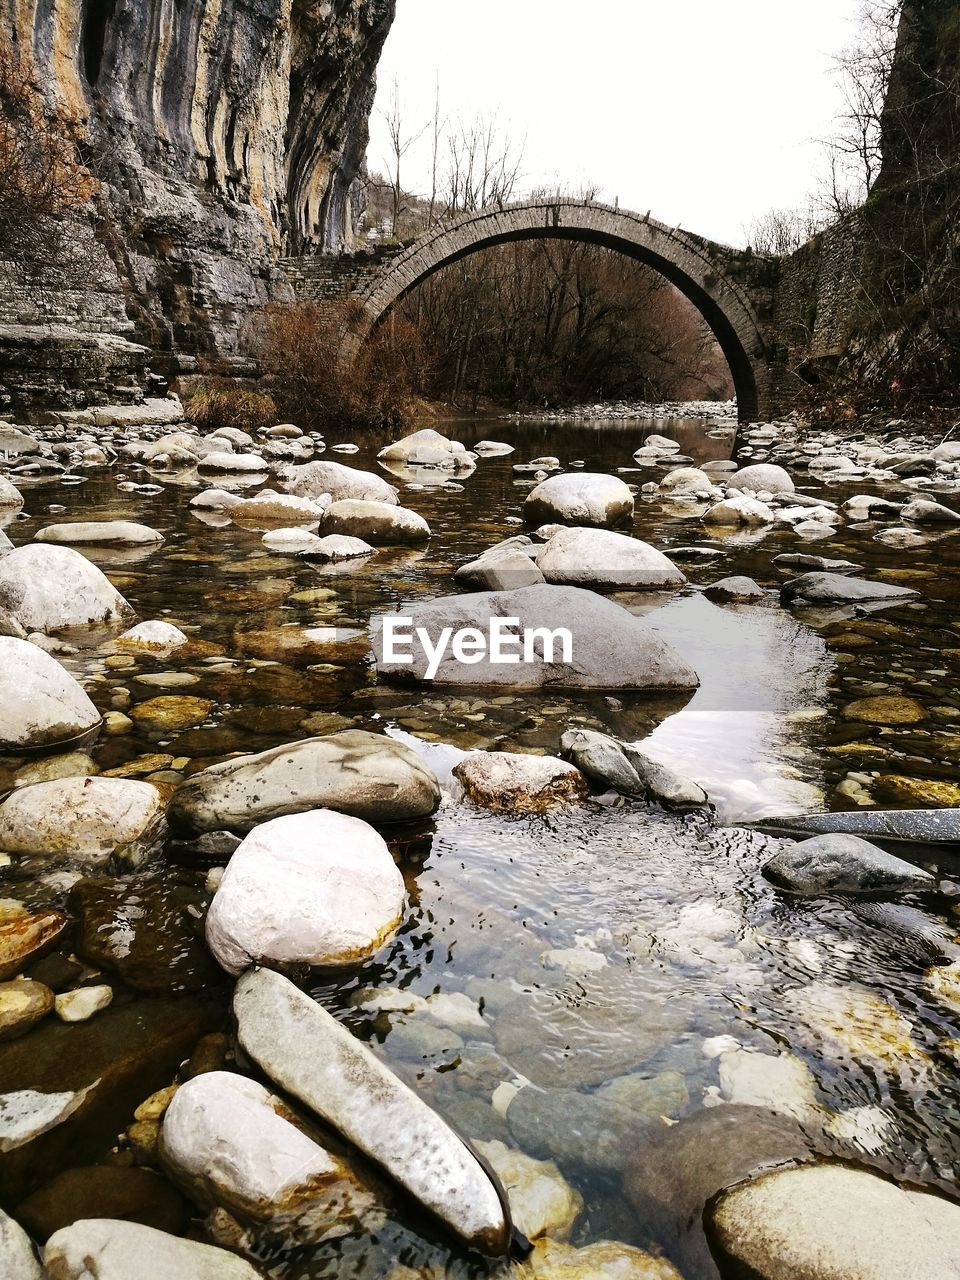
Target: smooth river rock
228 1142
91 820
378 523
340 482
581 499
313 1058
101 533
838 588
611 649
43 704
624 767
829 1221
46 588
607 561
428 448
839 863
367 775
154 637
762 477
110 1249
510 783
899 826
316 888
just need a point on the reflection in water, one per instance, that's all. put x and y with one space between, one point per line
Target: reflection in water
555 978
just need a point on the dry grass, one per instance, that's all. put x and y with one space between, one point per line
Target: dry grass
218 402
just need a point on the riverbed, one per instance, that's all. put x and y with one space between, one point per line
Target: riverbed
597 956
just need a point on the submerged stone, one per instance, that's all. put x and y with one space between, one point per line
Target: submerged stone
836 588
135 1195
311 1056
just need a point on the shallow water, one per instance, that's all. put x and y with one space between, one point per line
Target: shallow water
666 931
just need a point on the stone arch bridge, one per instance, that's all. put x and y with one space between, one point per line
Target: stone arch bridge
732 289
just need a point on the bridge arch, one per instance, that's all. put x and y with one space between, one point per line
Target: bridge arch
724 284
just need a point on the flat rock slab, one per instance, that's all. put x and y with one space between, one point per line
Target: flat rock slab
837 588
311 1056
111 1249
100 533
910 826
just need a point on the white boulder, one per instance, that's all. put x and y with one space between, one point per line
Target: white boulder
582 499
88 819
606 560
317 888
227 1141
379 523
47 588
340 482
113 1249
100 533
364 774
762 477
42 704
155 636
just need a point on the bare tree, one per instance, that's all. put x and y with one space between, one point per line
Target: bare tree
483 166
780 232
855 150
400 143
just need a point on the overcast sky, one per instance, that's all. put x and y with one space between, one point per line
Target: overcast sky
706 112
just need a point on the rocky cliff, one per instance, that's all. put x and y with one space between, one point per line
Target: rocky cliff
223 133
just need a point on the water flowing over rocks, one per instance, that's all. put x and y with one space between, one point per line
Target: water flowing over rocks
339 483
825 1221
43 705
89 820
48 588
583 499
315 888
228 1142
511 783
114 1250
366 775
316 1060
606 561
611 649
839 863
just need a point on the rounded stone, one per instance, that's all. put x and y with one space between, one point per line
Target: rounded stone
582 499
888 709
48 588
511 783
316 888
22 1004
86 819
762 477
377 523
605 560
43 704
111 1249
101 533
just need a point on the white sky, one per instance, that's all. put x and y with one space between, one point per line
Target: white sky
706 112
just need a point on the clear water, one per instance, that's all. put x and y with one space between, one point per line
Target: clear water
692 941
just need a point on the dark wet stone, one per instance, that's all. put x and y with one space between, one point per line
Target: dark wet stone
56 971
103 1191
267 719
680 1168
209 1054
210 848
913 826
734 589
148 932
100 1070
841 863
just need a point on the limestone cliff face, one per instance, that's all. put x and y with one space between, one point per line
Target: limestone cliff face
224 132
